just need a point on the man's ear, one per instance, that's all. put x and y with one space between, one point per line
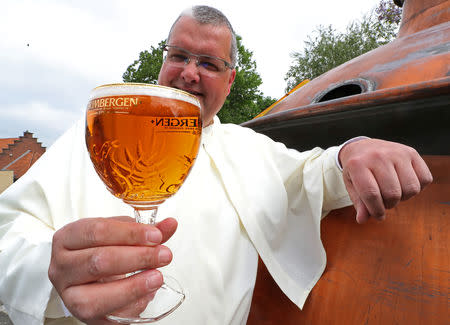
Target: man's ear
231 80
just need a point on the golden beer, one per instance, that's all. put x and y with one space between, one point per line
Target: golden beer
142 139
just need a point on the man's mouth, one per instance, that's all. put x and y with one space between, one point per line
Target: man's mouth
191 91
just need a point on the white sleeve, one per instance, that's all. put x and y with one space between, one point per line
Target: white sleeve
29 216
60 188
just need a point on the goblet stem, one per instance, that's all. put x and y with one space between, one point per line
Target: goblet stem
147 216
168 298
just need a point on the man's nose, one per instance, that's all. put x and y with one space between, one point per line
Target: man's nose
190 71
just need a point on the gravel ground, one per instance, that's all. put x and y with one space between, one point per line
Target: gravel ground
4 319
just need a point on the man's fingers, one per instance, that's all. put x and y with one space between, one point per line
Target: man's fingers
366 189
409 181
389 184
362 215
382 173
95 300
93 232
422 171
123 218
167 227
107 247
92 264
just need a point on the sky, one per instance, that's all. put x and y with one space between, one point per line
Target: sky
54 52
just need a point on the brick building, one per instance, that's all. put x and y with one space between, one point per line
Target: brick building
16 157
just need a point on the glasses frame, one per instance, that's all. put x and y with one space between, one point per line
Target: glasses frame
197 57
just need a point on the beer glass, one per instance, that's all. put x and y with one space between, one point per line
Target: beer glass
143 140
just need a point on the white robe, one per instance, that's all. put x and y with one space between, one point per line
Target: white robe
246 195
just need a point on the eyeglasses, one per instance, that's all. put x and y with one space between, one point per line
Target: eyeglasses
179 57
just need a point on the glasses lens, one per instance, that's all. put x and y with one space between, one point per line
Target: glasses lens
176 56
211 64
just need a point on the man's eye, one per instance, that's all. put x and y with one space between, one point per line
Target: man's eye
208 65
177 57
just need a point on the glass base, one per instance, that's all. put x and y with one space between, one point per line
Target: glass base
168 298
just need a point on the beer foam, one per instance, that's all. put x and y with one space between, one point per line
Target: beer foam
121 89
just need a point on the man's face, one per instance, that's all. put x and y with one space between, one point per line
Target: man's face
207 40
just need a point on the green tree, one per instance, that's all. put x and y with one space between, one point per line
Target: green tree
328 48
245 100
146 68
